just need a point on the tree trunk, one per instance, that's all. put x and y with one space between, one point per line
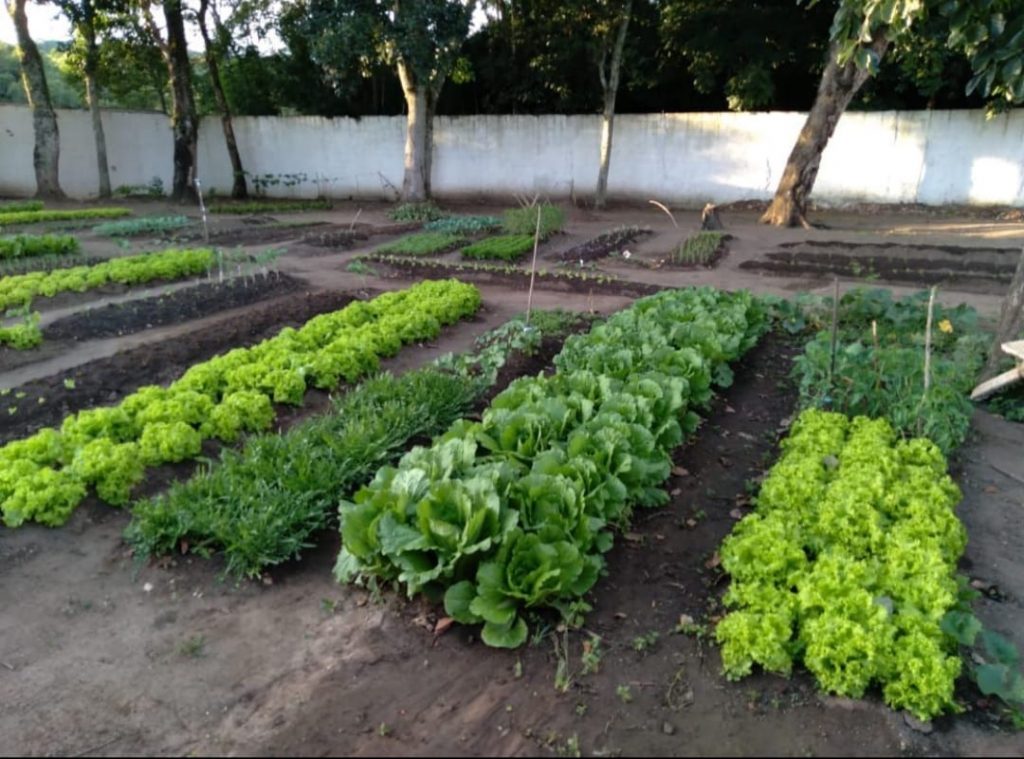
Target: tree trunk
92 96
416 180
46 153
238 189
1011 321
839 83
184 123
610 86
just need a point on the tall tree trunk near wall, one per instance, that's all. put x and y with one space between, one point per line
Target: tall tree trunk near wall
1011 321
610 85
184 121
839 83
238 188
415 182
46 152
92 96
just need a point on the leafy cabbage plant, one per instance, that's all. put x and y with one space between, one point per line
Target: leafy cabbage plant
515 512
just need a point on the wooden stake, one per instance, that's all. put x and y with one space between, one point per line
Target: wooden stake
533 268
202 210
928 343
835 333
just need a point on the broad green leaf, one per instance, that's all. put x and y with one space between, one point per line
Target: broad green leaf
512 635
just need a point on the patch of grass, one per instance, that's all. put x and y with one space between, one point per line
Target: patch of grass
427 211
192 647
523 221
502 248
699 249
357 266
423 244
143 226
270 206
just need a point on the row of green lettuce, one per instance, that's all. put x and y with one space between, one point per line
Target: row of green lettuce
514 513
262 505
36 215
44 477
848 565
27 246
19 290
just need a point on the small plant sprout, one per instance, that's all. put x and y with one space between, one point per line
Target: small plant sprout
192 647
644 643
591 658
624 693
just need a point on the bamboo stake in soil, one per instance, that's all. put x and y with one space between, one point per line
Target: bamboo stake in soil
202 210
533 268
835 334
928 344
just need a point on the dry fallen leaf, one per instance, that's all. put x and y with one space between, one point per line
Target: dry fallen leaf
442 625
714 561
736 514
680 471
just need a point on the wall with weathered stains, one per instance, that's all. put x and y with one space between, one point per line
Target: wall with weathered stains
932 157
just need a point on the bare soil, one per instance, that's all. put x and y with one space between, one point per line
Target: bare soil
99 655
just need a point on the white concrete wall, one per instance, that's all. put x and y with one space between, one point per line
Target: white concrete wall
930 157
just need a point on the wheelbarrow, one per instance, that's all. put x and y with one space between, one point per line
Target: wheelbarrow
1004 380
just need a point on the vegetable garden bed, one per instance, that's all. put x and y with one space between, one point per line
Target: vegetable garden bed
980 269
127 317
514 277
45 402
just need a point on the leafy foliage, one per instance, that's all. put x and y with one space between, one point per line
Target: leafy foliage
263 504
523 221
25 246
699 249
501 248
463 225
515 512
222 397
35 217
423 244
22 336
170 264
879 371
270 206
11 206
143 226
426 211
848 565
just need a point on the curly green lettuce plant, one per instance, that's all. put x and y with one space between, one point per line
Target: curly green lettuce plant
848 565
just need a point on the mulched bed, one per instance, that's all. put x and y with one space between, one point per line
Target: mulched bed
108 380
603 245
989 269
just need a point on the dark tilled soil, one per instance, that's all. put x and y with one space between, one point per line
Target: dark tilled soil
177 306
982 269
602 245
107 380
